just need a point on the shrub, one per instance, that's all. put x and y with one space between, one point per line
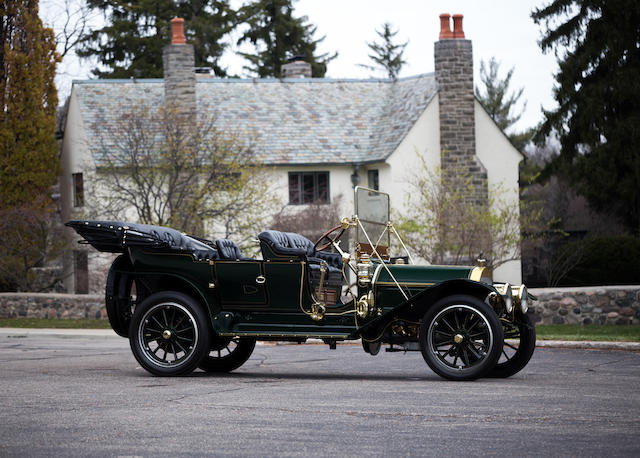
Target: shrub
612 260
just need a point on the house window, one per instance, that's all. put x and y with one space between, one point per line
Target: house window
78 190
81 271
372 176
308 187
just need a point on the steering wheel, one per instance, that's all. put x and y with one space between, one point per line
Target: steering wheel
330 237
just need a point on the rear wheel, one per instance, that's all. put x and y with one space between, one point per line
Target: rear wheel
169 334
461 338
519 345
227 354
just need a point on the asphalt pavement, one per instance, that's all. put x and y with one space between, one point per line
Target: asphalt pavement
81 393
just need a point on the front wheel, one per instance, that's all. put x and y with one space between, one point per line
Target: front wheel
519 345
461 338
227 354
169 334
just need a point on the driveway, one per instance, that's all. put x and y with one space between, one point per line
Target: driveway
68 395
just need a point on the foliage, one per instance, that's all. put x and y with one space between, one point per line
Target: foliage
30 237
387 55
54 323
28 149
278 36
598 96
130 43
28 100
179 173
443 227
598 332
499 103
312 220
609 260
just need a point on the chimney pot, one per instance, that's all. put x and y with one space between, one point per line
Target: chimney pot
177 31
445 26
457 26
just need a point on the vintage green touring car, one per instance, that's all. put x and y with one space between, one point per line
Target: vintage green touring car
185 302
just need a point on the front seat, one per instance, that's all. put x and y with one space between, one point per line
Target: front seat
228 250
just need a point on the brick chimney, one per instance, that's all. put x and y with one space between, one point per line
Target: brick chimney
296 67
179 75
454 75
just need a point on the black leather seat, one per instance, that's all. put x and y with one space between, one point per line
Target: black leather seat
289 244
228 250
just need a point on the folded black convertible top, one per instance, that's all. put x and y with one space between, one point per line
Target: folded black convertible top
115 236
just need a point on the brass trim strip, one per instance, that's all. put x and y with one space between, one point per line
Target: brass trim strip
408 284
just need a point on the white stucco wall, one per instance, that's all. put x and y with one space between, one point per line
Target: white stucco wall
423 139
76 157
501 159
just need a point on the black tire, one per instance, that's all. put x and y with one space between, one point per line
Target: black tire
461 338
227 354
515 357
169 334
116 298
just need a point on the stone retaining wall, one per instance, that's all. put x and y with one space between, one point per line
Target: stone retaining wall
45 305
587 305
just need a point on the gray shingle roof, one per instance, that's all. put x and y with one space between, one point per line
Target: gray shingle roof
294 121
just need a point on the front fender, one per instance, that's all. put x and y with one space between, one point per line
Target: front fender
415 307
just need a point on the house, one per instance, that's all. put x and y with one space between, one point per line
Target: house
322 136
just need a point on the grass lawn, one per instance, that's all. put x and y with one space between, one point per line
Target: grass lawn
587 332
544 332
53 323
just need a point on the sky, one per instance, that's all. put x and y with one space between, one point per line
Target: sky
497 28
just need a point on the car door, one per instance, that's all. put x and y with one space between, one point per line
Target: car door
240 284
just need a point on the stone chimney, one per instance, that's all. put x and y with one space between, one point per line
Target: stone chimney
179 76
296 67
454 75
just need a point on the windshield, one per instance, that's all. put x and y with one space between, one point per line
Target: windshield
372 208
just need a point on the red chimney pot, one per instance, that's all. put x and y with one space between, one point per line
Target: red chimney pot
457 26
177 31
445 27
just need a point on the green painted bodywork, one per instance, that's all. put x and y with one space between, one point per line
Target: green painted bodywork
413 279
239 303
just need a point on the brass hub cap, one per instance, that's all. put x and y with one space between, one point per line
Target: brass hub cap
458 338
166 334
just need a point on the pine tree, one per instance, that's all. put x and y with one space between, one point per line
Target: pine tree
28 148
130 44
28 101
500 103
598 96
278 36
387 55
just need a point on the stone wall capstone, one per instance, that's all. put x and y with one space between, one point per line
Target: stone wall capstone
586 305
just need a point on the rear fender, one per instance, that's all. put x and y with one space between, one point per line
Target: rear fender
118 291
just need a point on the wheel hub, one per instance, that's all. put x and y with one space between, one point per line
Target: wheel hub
166 334
458 338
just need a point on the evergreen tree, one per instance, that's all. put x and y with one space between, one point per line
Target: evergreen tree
28 101
500 103
386 54
28 148
598 95
130 44
277 36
